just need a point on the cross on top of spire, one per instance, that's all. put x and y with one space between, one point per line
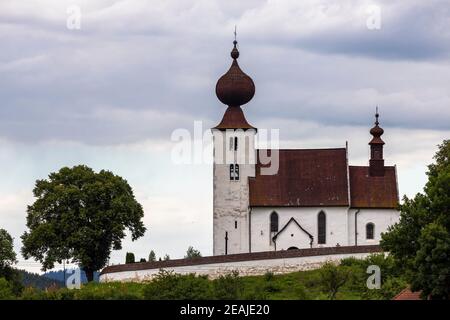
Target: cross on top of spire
377 115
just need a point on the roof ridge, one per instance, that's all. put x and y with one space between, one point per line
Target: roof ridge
353 166
308 149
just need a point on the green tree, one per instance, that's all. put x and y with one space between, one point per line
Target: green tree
129 258
420 242
7 254
6 290
192 253
152 256
333 277
166 257
7 260
80 215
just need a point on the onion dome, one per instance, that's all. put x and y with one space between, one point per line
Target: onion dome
376 131
235 88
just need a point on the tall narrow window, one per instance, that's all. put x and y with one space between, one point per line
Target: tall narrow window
321 228
235 143
231 171
370 230
231 143
236 172
274 222
235 224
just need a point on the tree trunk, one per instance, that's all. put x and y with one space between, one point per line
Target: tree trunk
89 274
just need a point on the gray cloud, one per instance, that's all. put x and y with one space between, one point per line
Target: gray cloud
138 71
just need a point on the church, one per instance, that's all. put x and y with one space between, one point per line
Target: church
313 199
270 202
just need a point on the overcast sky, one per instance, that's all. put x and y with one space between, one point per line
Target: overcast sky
111 93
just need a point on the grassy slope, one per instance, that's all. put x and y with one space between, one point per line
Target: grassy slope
303 285
293 286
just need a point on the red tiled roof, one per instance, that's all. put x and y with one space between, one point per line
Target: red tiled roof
234 119
407 294
373 192
306 177
318 177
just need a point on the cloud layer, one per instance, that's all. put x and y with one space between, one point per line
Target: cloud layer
111 94
134 61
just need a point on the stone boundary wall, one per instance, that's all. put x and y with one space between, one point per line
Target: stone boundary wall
245 263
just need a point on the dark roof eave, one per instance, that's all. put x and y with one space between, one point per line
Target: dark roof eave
299 206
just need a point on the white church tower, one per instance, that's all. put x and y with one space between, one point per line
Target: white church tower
234 163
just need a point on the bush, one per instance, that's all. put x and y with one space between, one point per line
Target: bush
30 293
170 286
255 292
228 287
6 290
108 291
268 276
391 281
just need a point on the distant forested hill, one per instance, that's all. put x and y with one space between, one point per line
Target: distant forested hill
59 275
38 281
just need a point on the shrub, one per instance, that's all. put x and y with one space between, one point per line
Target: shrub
352 262
255 292
6 290
30 293
108 291
268 276
170 286
228 287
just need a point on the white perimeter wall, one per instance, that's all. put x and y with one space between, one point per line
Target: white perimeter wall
245 268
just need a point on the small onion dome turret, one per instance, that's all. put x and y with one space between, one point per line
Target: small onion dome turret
376 132
235 88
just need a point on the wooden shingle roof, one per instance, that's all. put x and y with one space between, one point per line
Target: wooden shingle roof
322 177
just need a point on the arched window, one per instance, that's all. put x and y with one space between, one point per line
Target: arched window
274 222
321 228
370 230
231 171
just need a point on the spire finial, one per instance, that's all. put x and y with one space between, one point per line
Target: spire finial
377 115
235 51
